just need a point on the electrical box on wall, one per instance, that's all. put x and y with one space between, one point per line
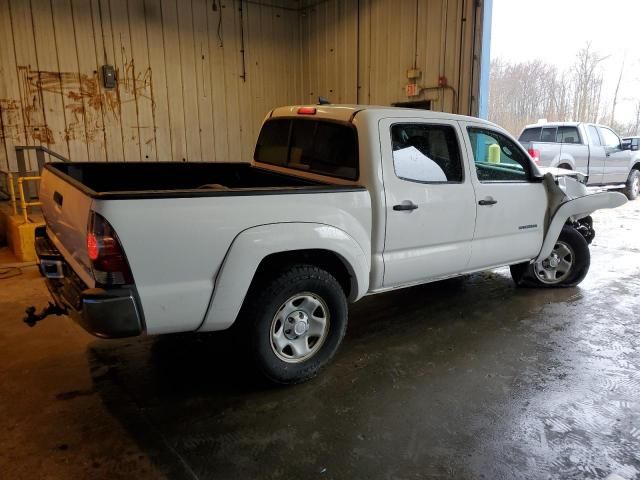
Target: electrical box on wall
109 76
414 73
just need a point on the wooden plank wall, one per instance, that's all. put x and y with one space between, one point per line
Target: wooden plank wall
179 96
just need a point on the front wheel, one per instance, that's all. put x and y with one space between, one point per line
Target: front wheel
632 188
293 323
567 265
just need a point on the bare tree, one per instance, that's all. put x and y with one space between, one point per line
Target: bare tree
587 84
524 92
615 95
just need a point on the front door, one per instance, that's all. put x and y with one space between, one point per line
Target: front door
616 166
430 203
511 203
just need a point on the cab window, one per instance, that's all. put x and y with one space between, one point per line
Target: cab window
593 136
497 158
426 153
548 134
568 134
609 138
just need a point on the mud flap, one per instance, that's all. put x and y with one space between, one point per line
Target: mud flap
577 207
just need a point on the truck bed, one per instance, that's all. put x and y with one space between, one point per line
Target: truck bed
123 180
177 222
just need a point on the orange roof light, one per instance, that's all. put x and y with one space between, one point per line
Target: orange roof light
307 111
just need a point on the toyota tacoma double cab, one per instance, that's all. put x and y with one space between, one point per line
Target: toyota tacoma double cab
339 202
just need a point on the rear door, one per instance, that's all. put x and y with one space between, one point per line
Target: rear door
66 211
511 204
548 147
430 202
573 149
616 167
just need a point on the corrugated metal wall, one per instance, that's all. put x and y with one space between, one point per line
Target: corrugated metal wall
195 78
180 94
359 51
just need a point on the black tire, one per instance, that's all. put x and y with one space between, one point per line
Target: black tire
258 317
632 188
524 274
565 166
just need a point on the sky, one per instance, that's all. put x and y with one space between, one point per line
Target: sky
554 30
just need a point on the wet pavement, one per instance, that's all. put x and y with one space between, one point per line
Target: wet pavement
469 379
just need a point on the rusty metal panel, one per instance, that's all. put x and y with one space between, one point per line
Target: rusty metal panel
11 121
142 80
89 99
185 89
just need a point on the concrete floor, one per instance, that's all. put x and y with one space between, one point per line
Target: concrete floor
462 379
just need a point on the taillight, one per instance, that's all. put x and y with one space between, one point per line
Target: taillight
535 155
92 247
307 111
108 261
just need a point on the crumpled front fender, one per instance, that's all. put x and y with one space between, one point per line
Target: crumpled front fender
577 207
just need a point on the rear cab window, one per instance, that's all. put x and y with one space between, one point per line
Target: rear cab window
311 145
531 134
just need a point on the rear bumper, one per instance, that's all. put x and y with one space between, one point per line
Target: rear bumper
105 313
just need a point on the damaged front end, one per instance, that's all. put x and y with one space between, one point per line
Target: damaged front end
569 202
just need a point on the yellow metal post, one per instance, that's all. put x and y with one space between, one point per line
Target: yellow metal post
12 193
23 203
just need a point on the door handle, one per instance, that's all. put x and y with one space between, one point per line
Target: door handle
487 202
405 207
57 197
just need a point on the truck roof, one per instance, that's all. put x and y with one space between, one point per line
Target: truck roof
563 124
347 112
556 124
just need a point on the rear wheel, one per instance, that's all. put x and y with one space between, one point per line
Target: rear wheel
567 265
632 189
565 166
293 323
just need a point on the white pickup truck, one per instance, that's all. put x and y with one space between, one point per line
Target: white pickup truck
340 202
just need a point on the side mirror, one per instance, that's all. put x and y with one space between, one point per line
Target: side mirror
537 177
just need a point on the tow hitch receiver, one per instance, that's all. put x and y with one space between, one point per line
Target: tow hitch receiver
32 317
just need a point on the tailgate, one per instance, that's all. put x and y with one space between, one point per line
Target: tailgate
548 152
66 211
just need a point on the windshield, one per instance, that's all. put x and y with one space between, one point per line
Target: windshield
309 145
